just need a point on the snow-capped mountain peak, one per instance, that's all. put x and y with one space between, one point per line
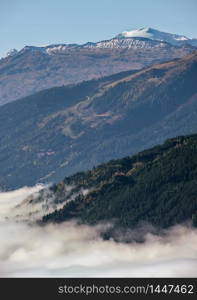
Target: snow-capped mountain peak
153 34
142 32
143 38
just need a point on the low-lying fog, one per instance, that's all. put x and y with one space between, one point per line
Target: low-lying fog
72 250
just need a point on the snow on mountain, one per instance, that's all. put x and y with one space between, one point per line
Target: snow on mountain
157 35
114 43
144 38
134 43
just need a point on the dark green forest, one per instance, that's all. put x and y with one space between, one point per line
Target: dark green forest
158 186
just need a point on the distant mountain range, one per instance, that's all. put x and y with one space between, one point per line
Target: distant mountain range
155 187
63 130
33 68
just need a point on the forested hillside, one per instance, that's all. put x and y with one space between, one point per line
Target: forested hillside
158 186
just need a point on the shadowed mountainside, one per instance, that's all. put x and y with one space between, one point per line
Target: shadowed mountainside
64 130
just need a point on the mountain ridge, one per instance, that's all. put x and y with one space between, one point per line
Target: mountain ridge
36 68
146 33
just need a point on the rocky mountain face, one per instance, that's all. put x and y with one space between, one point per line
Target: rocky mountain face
33 69
156 186
60 131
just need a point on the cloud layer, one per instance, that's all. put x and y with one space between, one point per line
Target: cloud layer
72 250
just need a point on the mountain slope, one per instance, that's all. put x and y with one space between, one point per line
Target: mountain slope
64 130
36 68
157 186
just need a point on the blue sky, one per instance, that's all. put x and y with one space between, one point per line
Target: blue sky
41 22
